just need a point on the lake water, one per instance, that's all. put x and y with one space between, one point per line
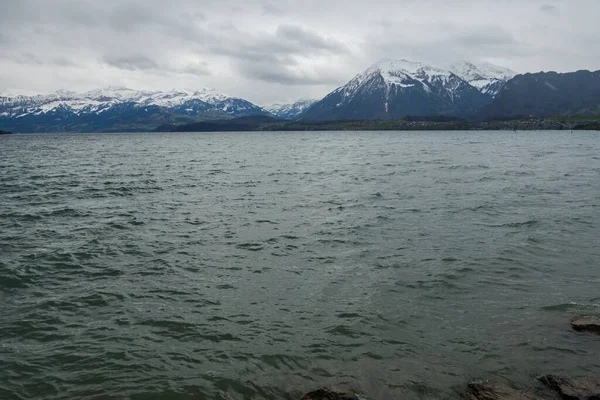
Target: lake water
263 265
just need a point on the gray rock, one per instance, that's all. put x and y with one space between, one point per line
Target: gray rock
573 388
587 324
328 394
485 390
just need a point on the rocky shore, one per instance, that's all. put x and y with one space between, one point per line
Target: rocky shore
547 386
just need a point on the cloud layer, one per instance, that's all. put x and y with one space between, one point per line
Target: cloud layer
269 51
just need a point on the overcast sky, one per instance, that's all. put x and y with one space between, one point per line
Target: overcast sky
275 51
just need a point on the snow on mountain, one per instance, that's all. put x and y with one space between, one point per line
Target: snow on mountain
100 100
406 74
396 89
116 108
486 77
291 110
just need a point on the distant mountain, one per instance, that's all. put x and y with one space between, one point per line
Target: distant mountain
394 89
489 79
290 111
117 109
548 94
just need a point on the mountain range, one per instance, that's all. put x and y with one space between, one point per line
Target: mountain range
388 90
114 109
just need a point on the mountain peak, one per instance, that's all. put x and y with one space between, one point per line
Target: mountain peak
395 88
401 64
210 95
290 110
484 70
486 77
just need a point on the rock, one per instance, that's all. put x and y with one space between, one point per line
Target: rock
327 394
573 388
587 324
484 390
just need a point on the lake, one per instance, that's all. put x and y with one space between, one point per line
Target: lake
264 265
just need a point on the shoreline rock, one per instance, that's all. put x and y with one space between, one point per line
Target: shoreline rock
485 390
573 388
328 394
586 324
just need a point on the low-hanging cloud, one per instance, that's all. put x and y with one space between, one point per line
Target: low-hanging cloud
132 62
549 9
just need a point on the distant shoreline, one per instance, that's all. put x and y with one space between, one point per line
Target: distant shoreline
269 124
408 124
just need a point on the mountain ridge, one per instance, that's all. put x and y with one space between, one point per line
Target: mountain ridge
548 94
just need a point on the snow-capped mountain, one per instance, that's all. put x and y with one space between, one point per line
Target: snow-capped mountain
292 110
486 77
394 89
65 110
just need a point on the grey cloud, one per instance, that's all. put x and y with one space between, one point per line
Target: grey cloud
284 75
256 47
287 40
273 57
304 38
279 47
487 36
24 58
127 16
201 69
270 8
549 9
445 43
130 62
63 62
194 16
490 40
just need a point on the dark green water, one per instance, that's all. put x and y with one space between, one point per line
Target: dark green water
258 266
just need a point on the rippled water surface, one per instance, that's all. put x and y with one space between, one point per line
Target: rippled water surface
259 266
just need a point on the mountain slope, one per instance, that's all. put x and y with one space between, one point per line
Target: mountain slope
290 111
117 109
394 89
548 94
489 79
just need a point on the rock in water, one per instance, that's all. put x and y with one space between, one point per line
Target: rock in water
327 394
484 390
573 388
587 324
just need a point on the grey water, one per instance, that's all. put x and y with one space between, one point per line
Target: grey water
264 265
